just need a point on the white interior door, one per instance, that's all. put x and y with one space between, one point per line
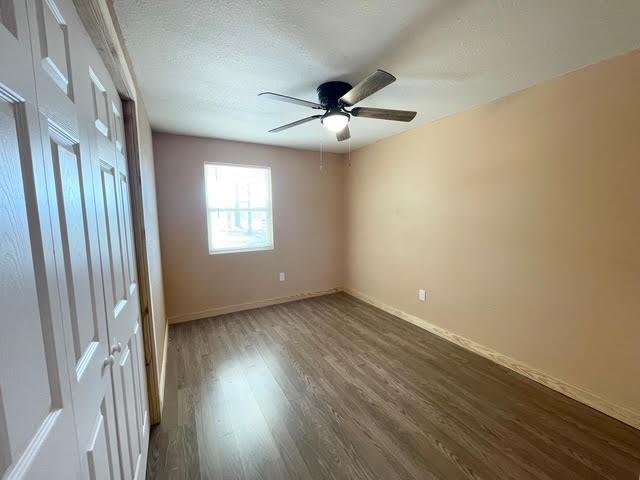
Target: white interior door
37 426
61 53
67 200
119 277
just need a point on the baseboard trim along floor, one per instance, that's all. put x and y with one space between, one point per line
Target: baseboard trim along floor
214 312
576 393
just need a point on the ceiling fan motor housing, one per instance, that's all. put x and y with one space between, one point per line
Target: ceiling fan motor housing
330 92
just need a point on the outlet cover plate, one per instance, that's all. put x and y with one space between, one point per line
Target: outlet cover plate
422 295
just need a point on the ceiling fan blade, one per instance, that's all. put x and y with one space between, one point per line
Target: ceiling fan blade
383 114
370 85
343 134
294 124
288 99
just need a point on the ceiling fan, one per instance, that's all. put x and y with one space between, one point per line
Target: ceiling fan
336 97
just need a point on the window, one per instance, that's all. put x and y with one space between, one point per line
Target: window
239 216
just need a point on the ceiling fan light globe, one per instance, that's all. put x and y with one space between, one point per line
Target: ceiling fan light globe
335 122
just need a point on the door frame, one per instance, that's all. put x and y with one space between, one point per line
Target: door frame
99 20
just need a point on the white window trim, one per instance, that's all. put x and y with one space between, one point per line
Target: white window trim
209 210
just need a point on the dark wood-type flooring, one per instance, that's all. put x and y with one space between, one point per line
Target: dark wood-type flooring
331 387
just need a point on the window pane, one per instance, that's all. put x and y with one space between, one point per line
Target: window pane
231 186
238 207
238 230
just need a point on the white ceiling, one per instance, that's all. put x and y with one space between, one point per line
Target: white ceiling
201 63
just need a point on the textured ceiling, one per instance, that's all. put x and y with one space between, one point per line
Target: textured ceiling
201 63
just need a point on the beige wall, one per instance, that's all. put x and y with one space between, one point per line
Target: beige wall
152 237
521 219
308 226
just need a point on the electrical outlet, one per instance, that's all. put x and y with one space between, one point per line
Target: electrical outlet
282 276
422 295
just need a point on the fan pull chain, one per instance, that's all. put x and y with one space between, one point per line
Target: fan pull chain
322 169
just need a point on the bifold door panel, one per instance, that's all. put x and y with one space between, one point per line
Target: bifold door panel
72 388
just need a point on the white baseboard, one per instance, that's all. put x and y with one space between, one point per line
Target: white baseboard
214 312
576 393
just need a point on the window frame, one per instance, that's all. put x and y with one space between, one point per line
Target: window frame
269 210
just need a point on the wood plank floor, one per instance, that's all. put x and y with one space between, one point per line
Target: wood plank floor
333 388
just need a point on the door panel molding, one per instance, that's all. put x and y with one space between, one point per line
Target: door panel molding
97 454
54 45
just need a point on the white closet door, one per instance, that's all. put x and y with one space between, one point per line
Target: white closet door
61 52
119 274
67 266
37 428
124 326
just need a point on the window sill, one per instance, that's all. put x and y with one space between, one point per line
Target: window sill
241 250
